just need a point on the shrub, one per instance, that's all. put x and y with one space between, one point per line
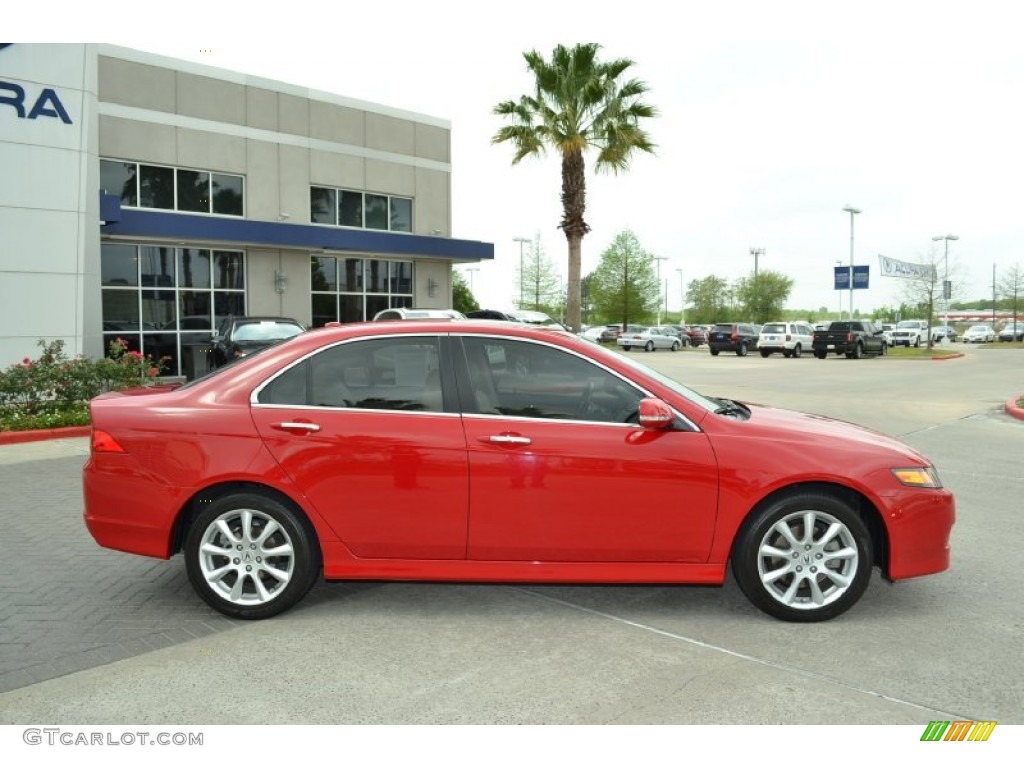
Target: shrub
54 391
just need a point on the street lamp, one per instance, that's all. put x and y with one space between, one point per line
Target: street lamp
682 298
658 260
839 263
945 276
471 270
853 212
521 240
755 252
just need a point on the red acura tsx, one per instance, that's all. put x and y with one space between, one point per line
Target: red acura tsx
498 452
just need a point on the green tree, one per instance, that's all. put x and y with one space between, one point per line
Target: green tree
1011 287
539 281
624 288
462 298
763 298
578 104
710 300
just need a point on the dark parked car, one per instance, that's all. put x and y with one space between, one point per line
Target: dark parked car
469 451
733 337
492 314
240 336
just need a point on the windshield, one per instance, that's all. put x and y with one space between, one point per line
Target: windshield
675 386
909 324
774 328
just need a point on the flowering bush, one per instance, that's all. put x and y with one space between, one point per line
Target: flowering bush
54 391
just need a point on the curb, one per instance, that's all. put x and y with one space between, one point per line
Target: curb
1013 409
953 356
32 435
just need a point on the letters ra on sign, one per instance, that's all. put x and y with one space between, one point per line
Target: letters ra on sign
46 104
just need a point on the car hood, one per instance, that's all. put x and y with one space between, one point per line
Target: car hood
812 431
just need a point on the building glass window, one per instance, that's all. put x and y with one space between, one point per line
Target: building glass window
351 290
350 209
322 205
156 187
166 302
401 214
121 179
376 212
363 210
173 189
193 191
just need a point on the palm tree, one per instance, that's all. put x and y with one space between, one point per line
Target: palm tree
578 104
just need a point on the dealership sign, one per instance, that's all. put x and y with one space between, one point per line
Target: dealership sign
31 105
897 268
860 277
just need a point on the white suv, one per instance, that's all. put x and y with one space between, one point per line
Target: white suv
910 333
791 339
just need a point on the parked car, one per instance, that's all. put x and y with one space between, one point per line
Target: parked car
532 317
413 313
648 339
887 329
601 333
791 339
674 330
941 332
732 337
698 334
240 336
979 334
1012 331
910 333
491 314
440 451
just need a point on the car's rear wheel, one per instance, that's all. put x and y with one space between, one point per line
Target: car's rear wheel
797 351
765 353
742 351
714 352
250 556
805 557
821 354
857 350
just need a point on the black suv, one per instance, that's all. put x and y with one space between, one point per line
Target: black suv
733 337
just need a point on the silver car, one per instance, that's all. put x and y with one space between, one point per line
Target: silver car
648 339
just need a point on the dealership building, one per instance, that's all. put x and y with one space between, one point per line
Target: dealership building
148 198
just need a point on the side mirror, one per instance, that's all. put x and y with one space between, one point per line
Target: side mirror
655 413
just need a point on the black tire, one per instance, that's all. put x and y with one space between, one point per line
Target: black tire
765 353
821 354
285 575
742 351
675 346
714 352
804 569
626 348
797 351
858 351
917 342
884 351
649 346
786 353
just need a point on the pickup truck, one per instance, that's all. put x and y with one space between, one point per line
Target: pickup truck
854 339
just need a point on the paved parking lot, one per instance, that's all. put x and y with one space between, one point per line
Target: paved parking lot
93 636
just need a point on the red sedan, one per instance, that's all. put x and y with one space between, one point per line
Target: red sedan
482 451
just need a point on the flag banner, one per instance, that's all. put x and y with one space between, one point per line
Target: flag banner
897 268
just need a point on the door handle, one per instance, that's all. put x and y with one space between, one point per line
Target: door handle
506 439
287 426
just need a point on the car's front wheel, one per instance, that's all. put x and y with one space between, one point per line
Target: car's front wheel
805 557
250 556
649 346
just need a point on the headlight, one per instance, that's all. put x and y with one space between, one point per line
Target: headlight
918 477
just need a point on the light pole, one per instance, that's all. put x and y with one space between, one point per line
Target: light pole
945 277
682 298
839 264
471 270
658 260
755 252
520 240
853 212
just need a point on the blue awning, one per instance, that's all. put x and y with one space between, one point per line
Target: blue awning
188 227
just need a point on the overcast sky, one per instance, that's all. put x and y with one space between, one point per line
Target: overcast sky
773 116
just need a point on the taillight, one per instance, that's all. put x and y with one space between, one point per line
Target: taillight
849 337
104 443
734 336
